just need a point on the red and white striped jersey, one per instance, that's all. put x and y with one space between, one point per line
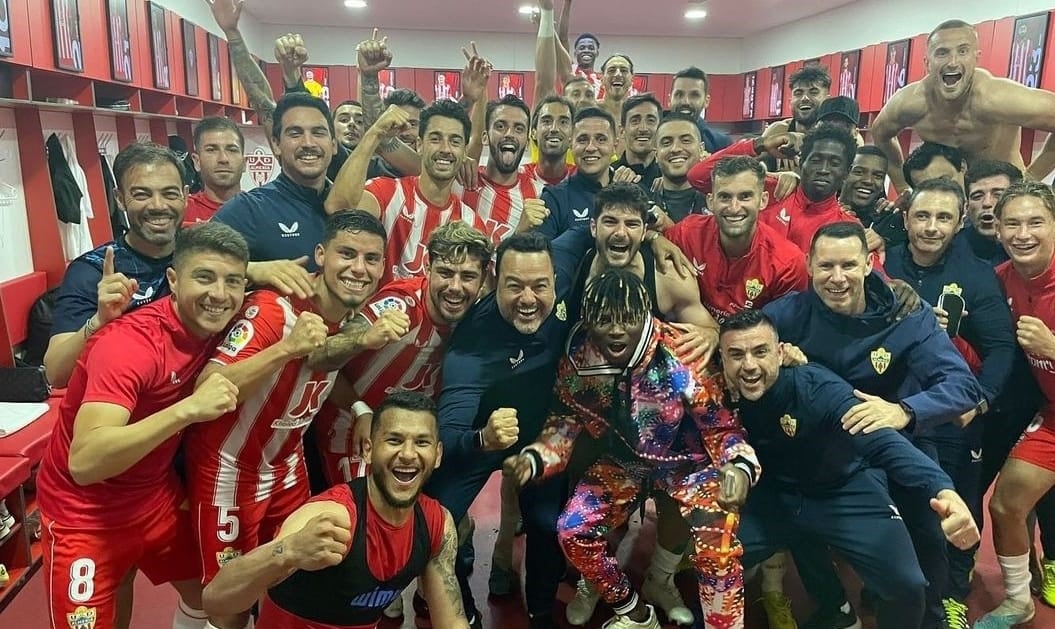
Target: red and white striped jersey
531 169
409 220
246 455
413 362
499 206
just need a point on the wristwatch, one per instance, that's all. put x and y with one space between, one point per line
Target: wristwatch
908 411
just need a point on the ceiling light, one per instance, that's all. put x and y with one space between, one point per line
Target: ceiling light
355 4
527 9
695 13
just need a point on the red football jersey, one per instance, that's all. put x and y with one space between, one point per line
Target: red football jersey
409 220
245 456
532 170
499 206
144 361
798 219
772 267
200 208
1034 298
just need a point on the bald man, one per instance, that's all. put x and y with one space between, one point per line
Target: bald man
961 105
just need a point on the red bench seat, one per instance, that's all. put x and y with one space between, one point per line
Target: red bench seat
14 470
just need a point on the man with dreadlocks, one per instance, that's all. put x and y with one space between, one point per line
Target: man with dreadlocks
654 423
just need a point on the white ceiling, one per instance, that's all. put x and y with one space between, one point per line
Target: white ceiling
652 18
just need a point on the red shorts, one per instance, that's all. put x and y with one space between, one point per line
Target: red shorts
1037 445
333 429
227 532
83 568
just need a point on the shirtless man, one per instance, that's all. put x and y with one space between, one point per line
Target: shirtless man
961 105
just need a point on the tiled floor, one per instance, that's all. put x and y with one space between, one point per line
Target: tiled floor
154 605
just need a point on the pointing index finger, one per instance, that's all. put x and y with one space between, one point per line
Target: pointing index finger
108 261
376 33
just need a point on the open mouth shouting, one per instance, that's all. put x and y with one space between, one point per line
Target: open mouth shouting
405 475
950 79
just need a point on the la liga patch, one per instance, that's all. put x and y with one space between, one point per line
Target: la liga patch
237 338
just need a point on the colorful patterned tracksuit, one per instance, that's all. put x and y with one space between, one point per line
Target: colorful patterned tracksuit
655 426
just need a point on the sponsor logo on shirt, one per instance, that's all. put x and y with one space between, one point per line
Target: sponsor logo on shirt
581 215
783 217
880 360
227 554
388 303
700 268
237 338
289 231
753 287
514 361
976 456
144 296
896 514
789 425
81 618
375 599
1034 425
1041 363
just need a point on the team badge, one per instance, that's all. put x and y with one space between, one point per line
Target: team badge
227 554
81 618
789 425
251 312
388 303
880 360
237 338
260 164
754 288
952 289
562 312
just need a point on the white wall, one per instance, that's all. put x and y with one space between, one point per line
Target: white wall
198 12
442 49
15 255
868 22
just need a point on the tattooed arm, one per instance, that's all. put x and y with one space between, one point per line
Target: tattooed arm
440 586
313 537
257 88
359 335
373 56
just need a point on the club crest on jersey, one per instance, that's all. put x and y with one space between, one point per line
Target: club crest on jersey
562 311
880 360
237 338
81 618
754 288
388 303
952 289
227 554
251 312
789 425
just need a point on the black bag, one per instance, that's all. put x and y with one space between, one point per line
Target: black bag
39 333
23 384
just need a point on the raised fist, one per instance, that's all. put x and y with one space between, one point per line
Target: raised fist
373 54
391 326
502 429
309 333
212 398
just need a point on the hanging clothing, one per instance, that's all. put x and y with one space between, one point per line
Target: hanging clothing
72 202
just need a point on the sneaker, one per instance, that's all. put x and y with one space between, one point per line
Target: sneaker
502 582
581 608
622 622
395 608
1047 589
833 618
1008 614
955 614
661 591
5 530
778 610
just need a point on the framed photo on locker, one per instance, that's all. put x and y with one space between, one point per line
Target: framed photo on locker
511 83
120 45
1027 49
215 80
159 47
776 92
190 57
386 80
848 72
896 75
748 110
66 28
6 49
317 81
447 85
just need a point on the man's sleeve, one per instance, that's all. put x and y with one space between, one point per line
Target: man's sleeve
261 324
783 314
793 276
700 174
553 225
948 387
237 213
117 375
990 331
78 298
383 189
568 251
557 439
460 397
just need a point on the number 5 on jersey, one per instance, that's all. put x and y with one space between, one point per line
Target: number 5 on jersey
227 524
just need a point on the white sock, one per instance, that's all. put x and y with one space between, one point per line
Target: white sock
773 570
1016 577
209 625
186 617
664 562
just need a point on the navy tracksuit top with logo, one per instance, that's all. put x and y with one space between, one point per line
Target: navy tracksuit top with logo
911 361
570 204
